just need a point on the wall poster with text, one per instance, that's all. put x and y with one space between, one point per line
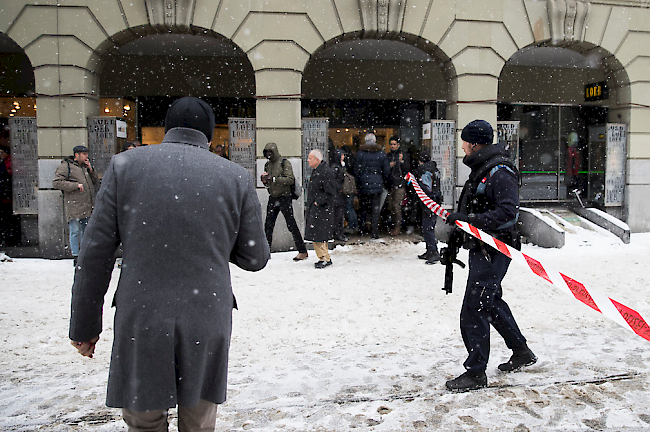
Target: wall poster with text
508 135
102 142
615 164
443 152
314 136
241 147
23 140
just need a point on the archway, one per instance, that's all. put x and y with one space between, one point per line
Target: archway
561 140
17 99
147 73
390 86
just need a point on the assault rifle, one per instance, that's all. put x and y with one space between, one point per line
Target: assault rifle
448 257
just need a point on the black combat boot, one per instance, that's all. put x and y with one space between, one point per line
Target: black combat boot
433 258
467 381
520 358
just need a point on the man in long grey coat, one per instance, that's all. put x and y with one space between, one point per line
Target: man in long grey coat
182 214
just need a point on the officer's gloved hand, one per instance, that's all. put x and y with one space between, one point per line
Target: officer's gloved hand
457 216
446 256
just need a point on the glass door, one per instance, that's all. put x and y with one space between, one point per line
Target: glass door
559 159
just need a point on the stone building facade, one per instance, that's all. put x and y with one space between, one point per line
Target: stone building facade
471 47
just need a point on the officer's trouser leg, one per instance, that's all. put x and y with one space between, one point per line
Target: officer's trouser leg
485 276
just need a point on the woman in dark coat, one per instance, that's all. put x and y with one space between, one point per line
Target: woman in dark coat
321 191
373 169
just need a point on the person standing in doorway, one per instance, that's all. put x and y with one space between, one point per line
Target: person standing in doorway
373 169
183 215
319 222
490 202
399 165
279 179
428 177
78 180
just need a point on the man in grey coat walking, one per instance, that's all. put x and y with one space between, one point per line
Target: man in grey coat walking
182 214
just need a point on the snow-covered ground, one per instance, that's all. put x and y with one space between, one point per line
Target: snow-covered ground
366 344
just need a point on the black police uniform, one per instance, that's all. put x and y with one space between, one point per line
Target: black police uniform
490 198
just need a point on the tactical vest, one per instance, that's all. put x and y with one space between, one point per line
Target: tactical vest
475 201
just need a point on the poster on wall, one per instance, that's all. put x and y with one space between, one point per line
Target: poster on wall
241 147
508 135
314 136
23 141
615 164
102 142
443 152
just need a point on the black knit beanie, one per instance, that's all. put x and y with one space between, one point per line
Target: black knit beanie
477 132
193 113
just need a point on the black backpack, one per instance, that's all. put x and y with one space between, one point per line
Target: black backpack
294 189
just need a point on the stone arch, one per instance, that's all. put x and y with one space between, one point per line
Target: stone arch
17 72
595 63
432 55
194 40
151 69
390 83
543 86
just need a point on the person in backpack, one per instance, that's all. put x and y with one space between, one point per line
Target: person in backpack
399 165
279 180
78 180
490 202
428 177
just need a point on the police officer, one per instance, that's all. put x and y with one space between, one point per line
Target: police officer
490 202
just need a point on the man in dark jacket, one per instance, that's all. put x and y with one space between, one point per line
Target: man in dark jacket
373 169
182 214
428 177
319 226
78 180
399 165
489 201
278 179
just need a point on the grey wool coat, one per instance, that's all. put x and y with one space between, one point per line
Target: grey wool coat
182 214
67 177
321 191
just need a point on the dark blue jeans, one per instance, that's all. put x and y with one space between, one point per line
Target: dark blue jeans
429 231
483 306
350 214
76 228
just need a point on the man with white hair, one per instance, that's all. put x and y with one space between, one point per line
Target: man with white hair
319 222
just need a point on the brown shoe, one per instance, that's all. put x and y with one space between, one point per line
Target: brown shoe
395 231
301 256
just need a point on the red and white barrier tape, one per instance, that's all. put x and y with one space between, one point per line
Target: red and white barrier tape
623 315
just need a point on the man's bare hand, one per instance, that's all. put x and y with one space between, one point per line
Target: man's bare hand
87 348
81 187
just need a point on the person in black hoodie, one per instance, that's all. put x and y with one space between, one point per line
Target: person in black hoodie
372 170
490 202
399 165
